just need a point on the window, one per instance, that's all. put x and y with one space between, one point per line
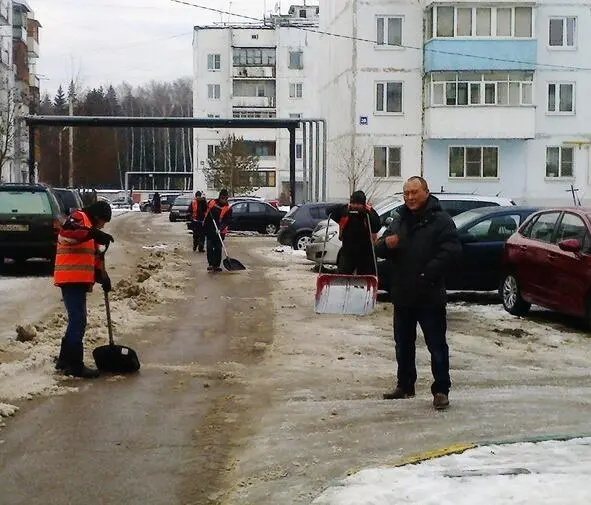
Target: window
571 227
303 13
496 229
257 208
212 150
389 97
295 115
387 162
253 114
213 91
213 62
298 151
264 179
296 59
295 90
543 228
254 36
389 31
473 161
243 56
559 161
239 208
561 97
447 21
261 149
562 32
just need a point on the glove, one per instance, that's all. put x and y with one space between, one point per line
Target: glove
106 283
100 237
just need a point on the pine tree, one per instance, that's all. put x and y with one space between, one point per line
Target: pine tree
60 102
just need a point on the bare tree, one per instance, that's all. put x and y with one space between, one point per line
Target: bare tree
8 114
355 164
233 166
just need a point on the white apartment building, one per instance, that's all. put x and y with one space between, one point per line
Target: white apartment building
257 71
6 80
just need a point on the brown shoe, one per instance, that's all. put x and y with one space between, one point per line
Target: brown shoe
398 394
440 401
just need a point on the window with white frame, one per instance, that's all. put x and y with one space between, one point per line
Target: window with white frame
213 91
296 60
295 115
295 90
387 161
212 150
505 22
298 151
473 161
562 32
477 88
213 62
559 162
389 97
389 30
561 98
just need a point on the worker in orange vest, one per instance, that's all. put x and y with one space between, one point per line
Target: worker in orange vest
357 234
78 265
197 210
218 215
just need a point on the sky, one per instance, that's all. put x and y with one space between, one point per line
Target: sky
101 42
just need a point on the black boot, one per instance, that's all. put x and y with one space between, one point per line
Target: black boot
61 363
75 364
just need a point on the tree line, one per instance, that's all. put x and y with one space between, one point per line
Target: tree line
101 156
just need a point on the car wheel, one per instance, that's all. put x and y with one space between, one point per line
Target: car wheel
511 296
270 229
301 242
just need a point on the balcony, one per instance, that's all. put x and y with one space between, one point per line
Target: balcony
33 47
244 72
253 101
4 13
5 57
19 33
498 122
479 54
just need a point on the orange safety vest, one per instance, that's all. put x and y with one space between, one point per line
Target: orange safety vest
75 262
195 210
345 219
223 210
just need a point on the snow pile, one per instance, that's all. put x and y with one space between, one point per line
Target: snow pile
543 473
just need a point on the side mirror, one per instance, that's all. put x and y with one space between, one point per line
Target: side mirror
570 245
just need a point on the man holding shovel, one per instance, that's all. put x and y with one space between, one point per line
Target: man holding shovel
78 265
217 219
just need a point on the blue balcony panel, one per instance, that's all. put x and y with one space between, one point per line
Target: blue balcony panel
480 54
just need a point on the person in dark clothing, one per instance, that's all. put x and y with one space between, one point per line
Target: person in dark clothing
156 203
357 234
421 243
218 213
197 210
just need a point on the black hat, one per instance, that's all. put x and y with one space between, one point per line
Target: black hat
100 210
223 192
358 197
198 194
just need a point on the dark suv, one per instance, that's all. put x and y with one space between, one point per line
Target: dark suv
30 220
295 229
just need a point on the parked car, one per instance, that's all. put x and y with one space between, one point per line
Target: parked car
250 215
68 198
30 220
180 208
122 202
548 263
297 225
166 202
452 203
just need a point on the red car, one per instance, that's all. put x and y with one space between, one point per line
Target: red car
548 262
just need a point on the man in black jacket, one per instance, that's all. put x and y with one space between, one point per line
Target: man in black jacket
217 220
421 243
197 210
358 225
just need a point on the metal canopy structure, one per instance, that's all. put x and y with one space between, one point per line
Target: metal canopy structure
34 122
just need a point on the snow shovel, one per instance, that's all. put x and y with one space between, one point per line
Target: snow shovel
230 264
115 358
346 294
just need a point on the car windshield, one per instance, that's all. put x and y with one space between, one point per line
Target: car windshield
386 204
464 218
67 198
183 201
24 202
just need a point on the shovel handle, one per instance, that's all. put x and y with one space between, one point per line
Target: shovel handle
109 322
217 230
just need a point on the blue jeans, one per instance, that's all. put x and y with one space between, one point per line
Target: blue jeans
74 296
433 321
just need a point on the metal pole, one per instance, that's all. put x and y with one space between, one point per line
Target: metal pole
317 170
71 166
292 165
304 161
61 176
324 153
311 160
31 155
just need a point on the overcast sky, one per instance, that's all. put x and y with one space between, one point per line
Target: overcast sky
101 42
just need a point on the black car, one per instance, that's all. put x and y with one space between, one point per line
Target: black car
180 208
250 215
483 233
30 220
69 199
297 225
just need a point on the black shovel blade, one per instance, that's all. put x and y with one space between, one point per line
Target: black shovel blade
233 265
116 359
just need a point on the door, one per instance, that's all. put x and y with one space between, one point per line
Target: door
257 216
568 286
239 216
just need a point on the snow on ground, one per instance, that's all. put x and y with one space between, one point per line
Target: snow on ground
543 473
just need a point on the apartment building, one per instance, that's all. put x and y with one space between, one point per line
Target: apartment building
257 71
6 80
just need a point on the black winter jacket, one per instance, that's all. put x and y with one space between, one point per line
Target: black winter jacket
428 244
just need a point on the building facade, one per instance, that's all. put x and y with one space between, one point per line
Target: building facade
256 71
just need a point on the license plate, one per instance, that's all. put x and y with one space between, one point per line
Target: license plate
14 227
